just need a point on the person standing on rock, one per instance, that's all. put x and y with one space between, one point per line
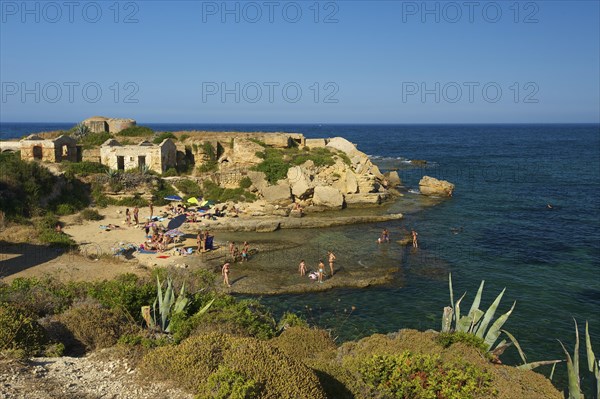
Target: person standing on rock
225 273
331 257
302 268
321 271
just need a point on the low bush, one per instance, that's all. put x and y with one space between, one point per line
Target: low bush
84 168
133 201
245 183
245 362
137 131
20 334
92 140
170 172
447 339
214 192
189 188
163 190
163 136
226 383
208 166
41 296
302 343
424 376
91 214
126 292
94 326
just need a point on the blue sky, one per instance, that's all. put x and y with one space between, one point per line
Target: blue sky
301 62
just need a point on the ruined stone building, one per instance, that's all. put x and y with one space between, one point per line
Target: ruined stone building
157 157
101 124
62 148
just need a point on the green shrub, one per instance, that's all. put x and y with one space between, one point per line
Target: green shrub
65 209
226 383
136 131
22 186
245 183
164 189
127 292
93 326
240 317
214 192
170 172
40 296
302 343
189 188
184 137
192 363
447 339
133 201
84 168
94 139
208 166
163 136
20 334
91 214
424 376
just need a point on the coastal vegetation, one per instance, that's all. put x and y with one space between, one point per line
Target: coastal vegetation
276 161
136 131
214 345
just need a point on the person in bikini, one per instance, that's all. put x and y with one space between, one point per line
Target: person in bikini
331 258
225 273
302 268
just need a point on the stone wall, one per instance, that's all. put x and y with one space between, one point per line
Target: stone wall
157 157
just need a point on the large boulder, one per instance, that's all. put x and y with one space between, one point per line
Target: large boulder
393 179
300 182
328 197
278 194
258 179
363 199
432 186
341 144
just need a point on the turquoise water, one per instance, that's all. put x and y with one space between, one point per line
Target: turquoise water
548 259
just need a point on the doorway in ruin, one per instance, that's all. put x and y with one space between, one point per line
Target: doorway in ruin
141 161
37 152
120 163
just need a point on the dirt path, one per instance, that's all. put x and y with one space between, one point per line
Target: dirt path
78 378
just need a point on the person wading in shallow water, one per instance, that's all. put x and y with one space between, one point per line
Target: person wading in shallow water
225 273
414 237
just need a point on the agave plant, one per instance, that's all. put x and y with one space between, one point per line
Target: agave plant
573 364
166 306
593 362
477 322
81 130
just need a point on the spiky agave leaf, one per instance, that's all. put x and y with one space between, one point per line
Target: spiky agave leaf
532 365
574 389
494 331
516 344
576 352
593 364
489 315
451 291
477 300
457 308
447 319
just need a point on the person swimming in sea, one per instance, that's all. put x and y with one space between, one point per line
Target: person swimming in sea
414 238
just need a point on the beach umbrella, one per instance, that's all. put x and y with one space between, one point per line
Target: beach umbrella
193 200
176 222
173 198
204 203
174 233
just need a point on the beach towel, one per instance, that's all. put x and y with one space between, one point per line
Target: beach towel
145 251
163 256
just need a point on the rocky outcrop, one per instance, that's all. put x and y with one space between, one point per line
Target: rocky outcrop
244 152
328 197
300 182
278 194
393 179
432 186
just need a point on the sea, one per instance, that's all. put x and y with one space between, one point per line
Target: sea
525 216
